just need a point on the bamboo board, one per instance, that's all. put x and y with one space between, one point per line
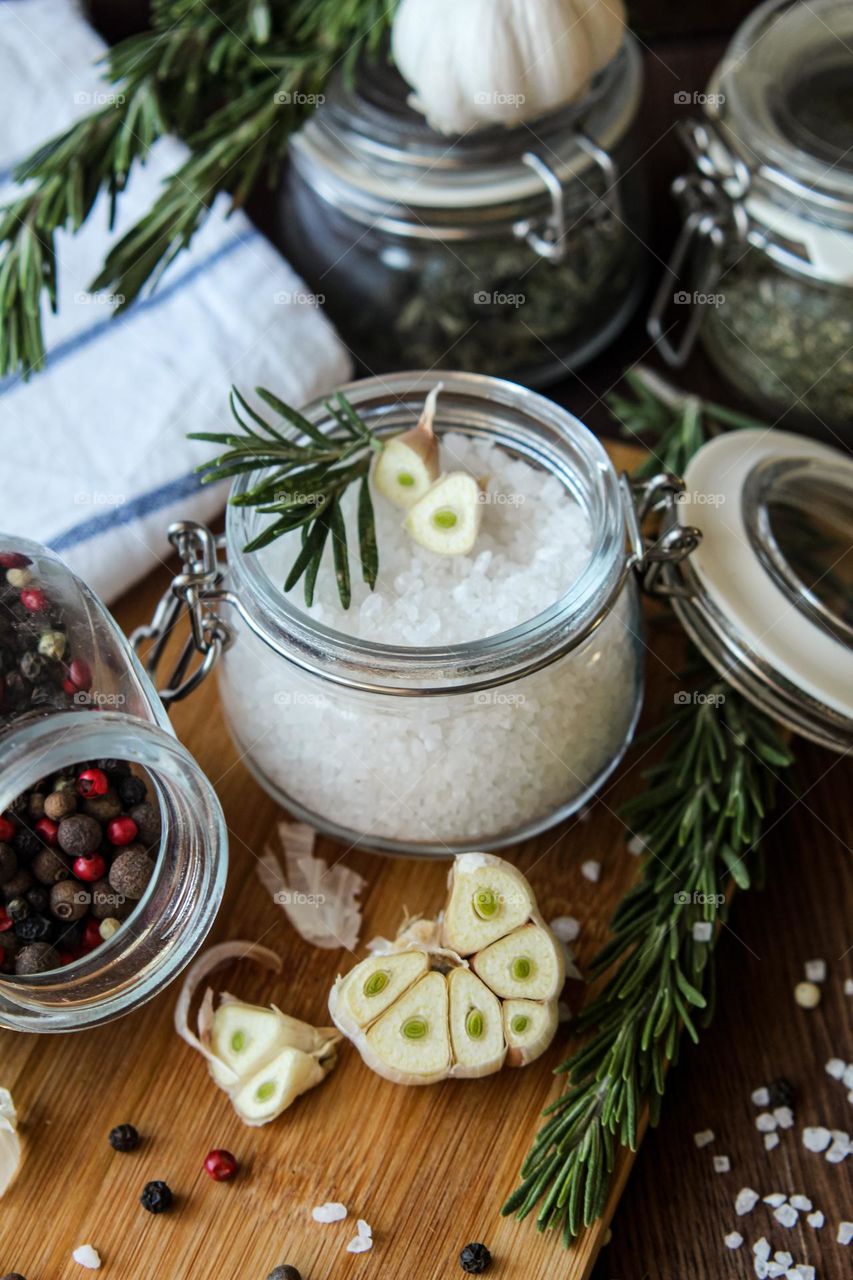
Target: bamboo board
428 1168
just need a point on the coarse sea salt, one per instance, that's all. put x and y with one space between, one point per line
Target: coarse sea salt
87 1256
703 1137
760 1097
771 1140
331 1211
815 970
803 1203
816 1219
745 1201
566 928
722 1164
591 870
733 1240
703 931
845 1232
836 1068
786 1215
445 768
816 1138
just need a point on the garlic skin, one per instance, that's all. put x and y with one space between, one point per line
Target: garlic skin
409 463
10 1144
473 63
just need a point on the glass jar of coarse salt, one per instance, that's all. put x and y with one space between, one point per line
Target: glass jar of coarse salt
92 779
516 252
765 257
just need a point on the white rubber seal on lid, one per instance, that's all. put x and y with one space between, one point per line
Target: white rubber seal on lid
730 571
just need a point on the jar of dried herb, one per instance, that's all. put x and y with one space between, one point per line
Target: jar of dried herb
516 252
765 257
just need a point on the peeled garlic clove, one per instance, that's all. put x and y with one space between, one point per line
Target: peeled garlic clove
272 1089
408 464
365 993
527 964
410 1043
529 1027
447 518
488 899
242 1036
476 1030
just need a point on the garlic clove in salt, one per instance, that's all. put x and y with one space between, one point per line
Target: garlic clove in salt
527 964
447 518
488 898
529 1027
408 464
410 1042
476 1029
368 990
272 1089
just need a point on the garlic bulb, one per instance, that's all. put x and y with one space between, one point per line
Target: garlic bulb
479 62
460 996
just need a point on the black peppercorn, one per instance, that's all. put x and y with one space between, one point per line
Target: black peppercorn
103 808
13 1275
35 928
124 1137
782 1093
284 1273
131 791
475 1259
17 909
156 1197
38 957
38 898
26 842
147 819
8 862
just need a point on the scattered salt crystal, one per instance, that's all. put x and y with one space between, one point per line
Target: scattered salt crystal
636 845
771 1140
760 1097
765 1122
722 1164
775 1199
87 1256
360 1244
703 1137
329 1212
804 1272
848 986
836 1068
591 870
566 928
847 1078
816 1138
703 931
733 1240
807 995
775 1269
815 970
786 1215
745 1201
761 1248
803 1203
816 1219
364 1228
845 1232
564 1012
761 1269
784 1117
784 1258
840 1148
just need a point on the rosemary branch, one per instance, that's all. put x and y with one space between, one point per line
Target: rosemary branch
309 473
700 814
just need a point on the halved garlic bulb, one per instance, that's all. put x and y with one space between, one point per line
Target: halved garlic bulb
447 518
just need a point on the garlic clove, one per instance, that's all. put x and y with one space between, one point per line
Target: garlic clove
365 993
447 518
409 464
268 1092
526 964
411 1040
529 1027
476 1030
242 1036
488 898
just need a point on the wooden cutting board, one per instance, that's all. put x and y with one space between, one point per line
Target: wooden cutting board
428 1168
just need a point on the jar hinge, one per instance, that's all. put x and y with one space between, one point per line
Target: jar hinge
668 543
548 239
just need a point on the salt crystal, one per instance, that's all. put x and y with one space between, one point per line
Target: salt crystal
703 931
771 1140
847 1078
364 1228
804 1272
636 845
329 1212
564 1012
816 1138
784 1258
765 1122
566 928
815 970
786 1215
761 1248
816 1219
803 1203
840 1148
745 1201
760 1097
360 1244
733 1240
835 1068
848 986
722 1164
775 1199
703 1137
87 1256
784 1117
775 1269
845 1232
591 870
761 1269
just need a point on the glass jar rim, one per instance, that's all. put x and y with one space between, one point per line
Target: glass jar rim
535 429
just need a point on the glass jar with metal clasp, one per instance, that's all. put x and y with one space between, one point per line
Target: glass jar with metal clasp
515 252
765 256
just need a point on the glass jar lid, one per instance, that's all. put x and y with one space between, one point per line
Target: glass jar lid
768 594
366 149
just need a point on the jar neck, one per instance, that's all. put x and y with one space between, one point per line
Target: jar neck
172 919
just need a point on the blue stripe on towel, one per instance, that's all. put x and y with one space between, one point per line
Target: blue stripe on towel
81 340
134 509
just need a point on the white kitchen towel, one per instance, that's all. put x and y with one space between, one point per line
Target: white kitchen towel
94 459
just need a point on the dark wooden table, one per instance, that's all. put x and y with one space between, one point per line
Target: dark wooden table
676 1210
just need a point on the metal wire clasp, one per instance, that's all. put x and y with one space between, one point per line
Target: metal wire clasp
189 592
669 542
548 239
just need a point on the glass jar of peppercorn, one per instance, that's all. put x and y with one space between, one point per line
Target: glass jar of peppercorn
112 842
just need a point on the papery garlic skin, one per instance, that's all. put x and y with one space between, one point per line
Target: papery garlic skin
473 63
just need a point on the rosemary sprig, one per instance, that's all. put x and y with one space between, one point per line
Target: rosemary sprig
700 816
234 78
309 472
